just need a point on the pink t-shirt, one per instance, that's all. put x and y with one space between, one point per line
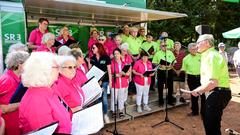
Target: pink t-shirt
70 91
109 46
127 59
91 42
121 82
35 37
39 107
80 76
8 85
140 68
44 48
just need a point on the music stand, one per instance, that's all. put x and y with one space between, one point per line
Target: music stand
167 120
114 132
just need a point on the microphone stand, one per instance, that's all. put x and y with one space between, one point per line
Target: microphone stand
167 120
114 132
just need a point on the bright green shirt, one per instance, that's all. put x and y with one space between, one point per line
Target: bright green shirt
134 45
160 55
191 64
169 42
142 38
213 66
124 38
146 46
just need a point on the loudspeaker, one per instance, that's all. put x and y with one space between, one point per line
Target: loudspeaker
202 29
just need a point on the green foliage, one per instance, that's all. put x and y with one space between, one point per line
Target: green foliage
219 15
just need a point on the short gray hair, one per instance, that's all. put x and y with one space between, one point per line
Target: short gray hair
46 37
208 37
124 46
190 45
64 50
18 47
37 70
13 59
63 59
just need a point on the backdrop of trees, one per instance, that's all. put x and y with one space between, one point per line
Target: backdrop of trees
219 15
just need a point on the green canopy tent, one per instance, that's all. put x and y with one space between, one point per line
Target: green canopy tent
235 33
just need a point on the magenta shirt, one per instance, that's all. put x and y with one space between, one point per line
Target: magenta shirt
124 79
0 117
35 37
43 48
127 59
109 46
8 85
70 91
91 42
39 107
62 40
80 76
140 68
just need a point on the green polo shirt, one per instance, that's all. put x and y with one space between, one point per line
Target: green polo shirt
161 55
170 43
142 38
146 46
134 45
124 38
213 66
191 64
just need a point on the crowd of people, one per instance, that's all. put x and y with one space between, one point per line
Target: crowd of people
53 76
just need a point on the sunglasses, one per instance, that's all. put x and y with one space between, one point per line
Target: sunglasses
70 67
100 39
163 45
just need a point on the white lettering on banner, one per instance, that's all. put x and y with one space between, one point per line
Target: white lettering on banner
12 37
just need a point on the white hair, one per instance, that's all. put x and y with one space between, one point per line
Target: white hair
18 47
118 37
13 59
190 45
64 50
37 70
124 46
63 59
46 37
208 37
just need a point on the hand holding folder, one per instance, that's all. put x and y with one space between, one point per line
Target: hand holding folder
126 68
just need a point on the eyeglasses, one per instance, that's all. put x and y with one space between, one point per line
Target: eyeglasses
55 66
70 67
100 39
163 45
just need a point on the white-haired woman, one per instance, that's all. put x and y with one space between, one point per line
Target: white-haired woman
67 86
64 50
126 58
18 47
82 68
8 84
40 105
48 41
65 38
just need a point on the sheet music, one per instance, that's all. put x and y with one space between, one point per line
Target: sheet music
96 72
91 90
49 130
88 121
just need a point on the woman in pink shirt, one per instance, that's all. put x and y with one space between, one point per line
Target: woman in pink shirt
8 85
119 84
65 38
68 88
110 44
126 58
92 40
82 68
142 82
40 105
48 40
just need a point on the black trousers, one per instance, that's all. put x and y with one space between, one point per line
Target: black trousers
161 76
193 82
215 103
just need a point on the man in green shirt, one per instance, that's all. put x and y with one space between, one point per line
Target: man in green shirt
134 43
141 33
125 34
191 66
214 83
166 59
169 42
150 46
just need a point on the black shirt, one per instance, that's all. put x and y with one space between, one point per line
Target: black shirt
102 64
